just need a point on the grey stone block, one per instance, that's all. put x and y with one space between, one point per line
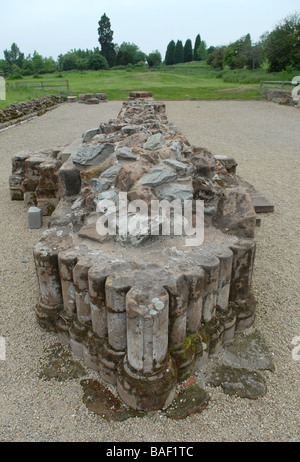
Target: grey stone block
93 155
159 175
178 166
174 191
89 134
101 96
98 185
113 171
69 179
156 141
125 153
35 218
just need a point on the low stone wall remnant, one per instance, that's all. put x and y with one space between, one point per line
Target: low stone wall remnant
23 109
283 97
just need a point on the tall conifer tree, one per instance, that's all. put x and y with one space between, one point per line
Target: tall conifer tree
188 51
170 53
197 44
106 40
179 53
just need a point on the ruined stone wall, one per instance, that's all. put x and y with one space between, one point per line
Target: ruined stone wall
145 312
34 179
24 109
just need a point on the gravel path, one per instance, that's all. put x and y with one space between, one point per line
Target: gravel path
264 139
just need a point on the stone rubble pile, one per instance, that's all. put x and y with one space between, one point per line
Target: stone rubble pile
35 105
144 311
283 97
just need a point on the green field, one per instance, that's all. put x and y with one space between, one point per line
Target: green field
192 81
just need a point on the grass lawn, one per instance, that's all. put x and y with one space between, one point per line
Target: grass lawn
190 81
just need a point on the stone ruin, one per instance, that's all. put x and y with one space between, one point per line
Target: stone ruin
24 110
88 98
283 97
143 311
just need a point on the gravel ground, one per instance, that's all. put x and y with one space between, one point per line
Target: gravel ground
264 139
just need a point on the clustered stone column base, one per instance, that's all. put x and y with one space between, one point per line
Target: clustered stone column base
144 327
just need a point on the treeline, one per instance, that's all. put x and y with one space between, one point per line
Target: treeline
178 53
17 65
275 51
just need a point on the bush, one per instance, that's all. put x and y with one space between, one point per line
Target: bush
97 62
15 77
154 59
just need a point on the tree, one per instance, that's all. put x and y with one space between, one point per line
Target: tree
49 65
37 63
197 44
201 51
154 58
215 57
4 67
96 62
123 58
179 53
14 55
238 54
129 53
82 64
188 51
170 54
283 44
106 40
70 61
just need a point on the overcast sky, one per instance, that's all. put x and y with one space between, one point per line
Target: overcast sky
58 26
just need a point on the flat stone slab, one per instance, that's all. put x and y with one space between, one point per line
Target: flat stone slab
72 99
101 96
113 171
99 185
236 367
178 166
238 381
261 204
140 94
100 400
92 101
191 400
58 364
125 153
93 155
158 176
248 351
174 191
89 134
85 96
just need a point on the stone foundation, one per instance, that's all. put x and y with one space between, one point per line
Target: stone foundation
145 311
